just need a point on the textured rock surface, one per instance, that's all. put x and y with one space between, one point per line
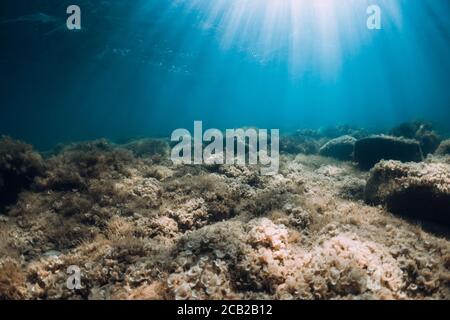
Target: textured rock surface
340 148
369 151
429 142
420 190
444 148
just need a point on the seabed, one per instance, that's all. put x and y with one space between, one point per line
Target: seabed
139 227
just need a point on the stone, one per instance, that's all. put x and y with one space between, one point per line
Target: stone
444 148
429 142
411 129
340 148
421 131
371 150
419 190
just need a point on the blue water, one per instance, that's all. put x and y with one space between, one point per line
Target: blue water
147 67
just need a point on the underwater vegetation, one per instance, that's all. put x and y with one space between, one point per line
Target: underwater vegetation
340 220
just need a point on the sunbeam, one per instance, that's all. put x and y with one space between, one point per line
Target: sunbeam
299 32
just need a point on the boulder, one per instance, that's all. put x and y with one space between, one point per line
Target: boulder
429 142
369 151
444 148
340 148
410 129
419 190
421 131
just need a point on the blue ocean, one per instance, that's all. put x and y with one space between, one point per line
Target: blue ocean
140 68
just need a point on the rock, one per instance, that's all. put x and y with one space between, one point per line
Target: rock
369 151
429 142
421 131
340 148
420 190
409 130
444 148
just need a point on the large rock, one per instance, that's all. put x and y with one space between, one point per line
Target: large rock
429 142
444 148
422 132
340 148
411 129
420 190
369 151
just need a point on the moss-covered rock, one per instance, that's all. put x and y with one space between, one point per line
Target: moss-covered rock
340 148
369 151
417 190
444 148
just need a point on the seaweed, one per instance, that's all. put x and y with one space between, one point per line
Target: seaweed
19 165
145 229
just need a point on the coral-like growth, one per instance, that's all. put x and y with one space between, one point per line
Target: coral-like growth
346 265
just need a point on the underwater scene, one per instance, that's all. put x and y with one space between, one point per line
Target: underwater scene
225 150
